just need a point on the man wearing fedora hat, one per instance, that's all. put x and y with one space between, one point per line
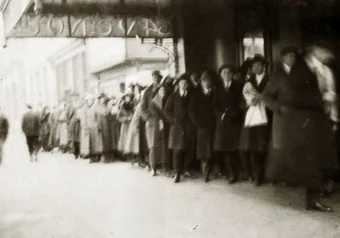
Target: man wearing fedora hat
301 97
182 130
147 98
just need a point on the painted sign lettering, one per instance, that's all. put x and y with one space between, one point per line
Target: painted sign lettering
91 26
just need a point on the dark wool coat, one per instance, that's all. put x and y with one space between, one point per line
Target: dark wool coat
256 138
44 130
202 114
159 138
302 147
182 130
147 98
74 129
228 104
30 124
4 127
104 125
53 121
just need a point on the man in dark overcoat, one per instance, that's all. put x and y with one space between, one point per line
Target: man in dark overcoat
229 114
146 100
202 114
302 147
4 126
182 130
31 129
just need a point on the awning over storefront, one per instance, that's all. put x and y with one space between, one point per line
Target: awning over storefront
88 18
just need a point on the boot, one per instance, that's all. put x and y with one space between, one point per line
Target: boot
177 178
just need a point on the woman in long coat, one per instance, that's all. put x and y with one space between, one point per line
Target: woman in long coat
160 129
114 127
125 114
91 139
202 114
63 130
136 143
228 99
44 129
53 121
102 111
255 135
302 148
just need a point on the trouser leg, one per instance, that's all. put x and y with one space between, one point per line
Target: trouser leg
76 150
246 164
29 141
258 166
178 161
230 161
188 158
152 157
312 195
206 168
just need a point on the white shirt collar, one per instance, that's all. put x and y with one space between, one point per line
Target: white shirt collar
287 68
206 91
182 92
259 78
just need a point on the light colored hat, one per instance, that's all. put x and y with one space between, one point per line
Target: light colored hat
89 97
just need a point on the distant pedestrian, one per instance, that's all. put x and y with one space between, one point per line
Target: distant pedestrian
30 127
4 126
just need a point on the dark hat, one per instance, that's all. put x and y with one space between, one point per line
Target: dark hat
157 72
182 77
226 66
259 58
74 94
208 75
102 95
289 49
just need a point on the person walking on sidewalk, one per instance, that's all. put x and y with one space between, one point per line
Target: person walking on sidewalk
3 132
30 127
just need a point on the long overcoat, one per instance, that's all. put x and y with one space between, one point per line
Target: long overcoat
146 100
302 145
44 130
124 116
103 120
202 114
182 134
114 127
54 134
63 129
136 142
91 139
229 114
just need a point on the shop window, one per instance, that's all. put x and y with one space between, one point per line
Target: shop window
253 44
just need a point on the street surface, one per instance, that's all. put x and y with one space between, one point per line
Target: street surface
60 197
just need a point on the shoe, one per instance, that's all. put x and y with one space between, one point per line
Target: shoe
169 174
189 175
251 179
232 179
220 176
206 178
147 168
317 206
257 182
177 178
153 172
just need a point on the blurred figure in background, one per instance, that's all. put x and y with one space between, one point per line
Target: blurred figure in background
91 139
30 127
63 128
45 128
4 128
125 114
202 114
53 141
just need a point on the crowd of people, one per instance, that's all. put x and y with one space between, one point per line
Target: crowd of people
236 124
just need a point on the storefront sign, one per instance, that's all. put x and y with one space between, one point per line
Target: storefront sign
31 25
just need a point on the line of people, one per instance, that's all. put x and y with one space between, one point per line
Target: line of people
234 124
